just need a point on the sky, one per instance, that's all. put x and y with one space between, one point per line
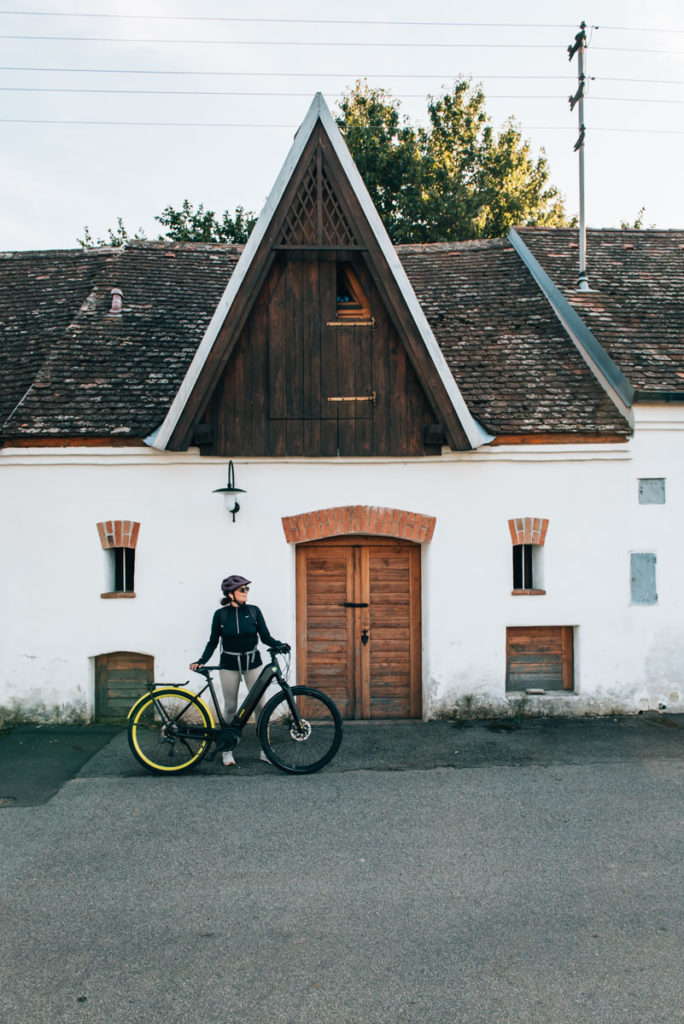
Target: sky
112 116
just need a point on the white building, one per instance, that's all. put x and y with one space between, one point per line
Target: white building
462 476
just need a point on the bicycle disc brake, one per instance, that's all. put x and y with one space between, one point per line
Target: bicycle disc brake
299 735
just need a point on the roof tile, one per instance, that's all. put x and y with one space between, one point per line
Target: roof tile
72 368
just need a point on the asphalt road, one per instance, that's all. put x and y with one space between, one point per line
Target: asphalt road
494 889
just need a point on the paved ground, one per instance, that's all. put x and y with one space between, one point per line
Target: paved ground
432 874
35 761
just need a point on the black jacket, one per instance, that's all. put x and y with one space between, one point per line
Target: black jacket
239 630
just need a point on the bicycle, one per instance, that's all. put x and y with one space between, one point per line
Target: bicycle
170 728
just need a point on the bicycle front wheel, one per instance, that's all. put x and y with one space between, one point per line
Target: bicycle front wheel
167 731
306 749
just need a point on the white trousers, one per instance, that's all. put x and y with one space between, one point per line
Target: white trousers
230 684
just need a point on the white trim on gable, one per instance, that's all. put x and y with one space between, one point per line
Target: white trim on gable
319 111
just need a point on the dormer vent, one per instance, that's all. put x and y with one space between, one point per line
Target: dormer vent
117 301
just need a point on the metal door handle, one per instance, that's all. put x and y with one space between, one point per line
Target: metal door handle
364 636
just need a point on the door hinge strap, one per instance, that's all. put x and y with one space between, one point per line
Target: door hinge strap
354 604
354 398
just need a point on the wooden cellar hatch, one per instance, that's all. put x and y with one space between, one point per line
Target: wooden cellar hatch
120 678
539 658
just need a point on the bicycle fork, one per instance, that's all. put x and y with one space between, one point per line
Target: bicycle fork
292 704
269 674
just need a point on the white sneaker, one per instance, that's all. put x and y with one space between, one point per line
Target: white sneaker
227 758
263 757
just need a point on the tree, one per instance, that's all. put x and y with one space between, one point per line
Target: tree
200 225
453 179
637 224
115 236
184 225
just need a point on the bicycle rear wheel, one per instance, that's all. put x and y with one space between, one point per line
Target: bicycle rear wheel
167 731
309 749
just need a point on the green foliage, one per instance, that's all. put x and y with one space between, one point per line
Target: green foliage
637 224
115 236
17 714
453 179
200 225
184 225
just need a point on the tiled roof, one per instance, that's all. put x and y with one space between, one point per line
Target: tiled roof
40 293
515 365
70 368
635 307
101 374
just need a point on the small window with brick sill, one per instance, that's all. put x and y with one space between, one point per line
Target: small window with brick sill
119 538
121 572
528 534
528 569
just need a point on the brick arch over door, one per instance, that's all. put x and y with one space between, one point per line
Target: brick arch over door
371 520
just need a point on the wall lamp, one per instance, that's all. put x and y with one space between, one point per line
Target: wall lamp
230 492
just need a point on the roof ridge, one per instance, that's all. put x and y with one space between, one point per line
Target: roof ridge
466 243
171 243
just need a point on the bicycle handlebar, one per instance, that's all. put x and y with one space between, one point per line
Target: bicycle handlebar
204 670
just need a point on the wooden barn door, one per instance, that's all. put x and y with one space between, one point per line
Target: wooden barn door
120 678
359 625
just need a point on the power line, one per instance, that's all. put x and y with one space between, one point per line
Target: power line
240 92
288 20
328 21
282 42
275 74
325 42
336 74
247 124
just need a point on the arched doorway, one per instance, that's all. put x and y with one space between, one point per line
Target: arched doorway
359 624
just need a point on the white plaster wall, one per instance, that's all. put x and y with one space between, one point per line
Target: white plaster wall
657 631
55 623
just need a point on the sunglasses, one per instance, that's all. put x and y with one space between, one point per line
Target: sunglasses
242 590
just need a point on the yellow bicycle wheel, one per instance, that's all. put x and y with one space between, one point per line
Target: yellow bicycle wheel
167 730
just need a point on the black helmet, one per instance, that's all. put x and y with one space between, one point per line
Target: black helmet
231 583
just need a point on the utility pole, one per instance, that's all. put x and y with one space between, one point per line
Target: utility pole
579 48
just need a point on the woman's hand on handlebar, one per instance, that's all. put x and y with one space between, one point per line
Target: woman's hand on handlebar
195 666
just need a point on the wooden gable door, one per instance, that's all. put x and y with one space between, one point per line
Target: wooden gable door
359 625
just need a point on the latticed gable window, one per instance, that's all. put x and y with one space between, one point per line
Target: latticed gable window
316 217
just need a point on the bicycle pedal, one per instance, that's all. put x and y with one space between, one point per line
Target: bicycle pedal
227 742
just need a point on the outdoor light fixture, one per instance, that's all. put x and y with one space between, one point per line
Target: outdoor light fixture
230 492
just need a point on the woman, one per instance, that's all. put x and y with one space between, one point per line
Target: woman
239 626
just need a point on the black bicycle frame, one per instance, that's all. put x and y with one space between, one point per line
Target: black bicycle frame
241 716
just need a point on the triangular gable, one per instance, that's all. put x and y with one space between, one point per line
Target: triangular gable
319 205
